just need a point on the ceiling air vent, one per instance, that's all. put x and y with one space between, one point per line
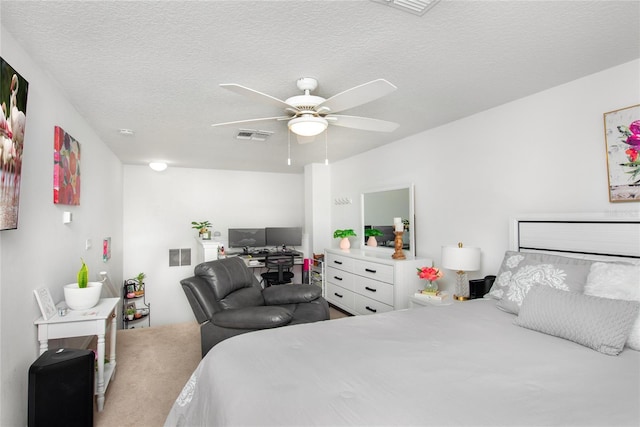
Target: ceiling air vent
254 135
417 7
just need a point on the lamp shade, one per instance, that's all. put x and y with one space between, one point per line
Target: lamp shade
308 125
460 258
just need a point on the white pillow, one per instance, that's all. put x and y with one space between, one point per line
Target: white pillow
616 281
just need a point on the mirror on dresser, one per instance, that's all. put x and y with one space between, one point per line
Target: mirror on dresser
379 208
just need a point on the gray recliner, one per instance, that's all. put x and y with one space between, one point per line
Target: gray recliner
227 300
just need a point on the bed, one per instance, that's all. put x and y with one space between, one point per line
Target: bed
468 363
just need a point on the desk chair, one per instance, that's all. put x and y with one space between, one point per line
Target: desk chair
278 270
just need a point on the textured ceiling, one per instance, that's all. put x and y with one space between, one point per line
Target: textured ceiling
155 67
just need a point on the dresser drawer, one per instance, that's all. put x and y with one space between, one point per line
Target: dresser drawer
373 270
341 297
364 305
341 262
340 278
374 289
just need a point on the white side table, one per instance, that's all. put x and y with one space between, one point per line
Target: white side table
92 321
415 302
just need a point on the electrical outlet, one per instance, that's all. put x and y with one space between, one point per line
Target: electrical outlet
87 244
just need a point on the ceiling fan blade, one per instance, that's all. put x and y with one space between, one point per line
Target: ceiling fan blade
362 123
263 119
358 95
257 96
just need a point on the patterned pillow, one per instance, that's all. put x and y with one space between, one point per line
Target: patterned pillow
602 324
617 281
522 270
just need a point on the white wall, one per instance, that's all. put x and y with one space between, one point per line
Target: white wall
317 208
159 208
541 154
44 252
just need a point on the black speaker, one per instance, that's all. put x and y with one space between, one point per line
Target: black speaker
479 287
61 388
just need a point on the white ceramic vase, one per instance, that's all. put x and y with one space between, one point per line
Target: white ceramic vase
371 241
82 298
345 243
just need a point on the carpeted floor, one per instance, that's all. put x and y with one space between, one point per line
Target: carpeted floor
153 364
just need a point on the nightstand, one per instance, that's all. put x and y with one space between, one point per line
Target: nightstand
417 302
92 321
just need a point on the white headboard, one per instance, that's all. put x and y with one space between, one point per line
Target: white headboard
610 237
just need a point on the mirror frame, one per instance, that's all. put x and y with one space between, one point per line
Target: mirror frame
412 218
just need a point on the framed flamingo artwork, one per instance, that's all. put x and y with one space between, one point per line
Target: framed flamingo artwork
622 138
13 100
66 168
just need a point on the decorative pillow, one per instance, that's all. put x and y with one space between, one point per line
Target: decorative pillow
602 324
617 281
522 270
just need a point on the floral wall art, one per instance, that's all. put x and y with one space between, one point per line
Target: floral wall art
13 100
622 138
66 168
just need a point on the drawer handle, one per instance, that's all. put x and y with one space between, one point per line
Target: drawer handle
368 270
337 294
338 262
371 309
337 278
370 289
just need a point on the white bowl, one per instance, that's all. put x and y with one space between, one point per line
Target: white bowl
82 298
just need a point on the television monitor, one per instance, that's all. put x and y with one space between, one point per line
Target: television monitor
284 236
247 237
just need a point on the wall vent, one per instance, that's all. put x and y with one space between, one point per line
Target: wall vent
416 7
253 135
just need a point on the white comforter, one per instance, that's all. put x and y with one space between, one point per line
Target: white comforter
462 364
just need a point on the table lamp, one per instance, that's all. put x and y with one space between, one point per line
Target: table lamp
461 260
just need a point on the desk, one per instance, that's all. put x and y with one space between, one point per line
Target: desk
77 323
257 261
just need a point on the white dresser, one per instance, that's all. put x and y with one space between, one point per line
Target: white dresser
368 282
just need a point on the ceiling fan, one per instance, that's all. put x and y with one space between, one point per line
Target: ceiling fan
309 115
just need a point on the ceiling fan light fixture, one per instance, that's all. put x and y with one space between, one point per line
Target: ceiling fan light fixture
158 166
308 125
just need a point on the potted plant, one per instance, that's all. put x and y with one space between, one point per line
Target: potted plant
82 294
139 289
371 233
130 313
344 236
203 229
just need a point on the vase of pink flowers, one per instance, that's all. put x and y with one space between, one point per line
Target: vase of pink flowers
430 274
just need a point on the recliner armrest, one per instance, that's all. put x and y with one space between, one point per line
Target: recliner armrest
260 317
290 294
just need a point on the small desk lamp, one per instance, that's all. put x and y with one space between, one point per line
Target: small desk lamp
462 260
